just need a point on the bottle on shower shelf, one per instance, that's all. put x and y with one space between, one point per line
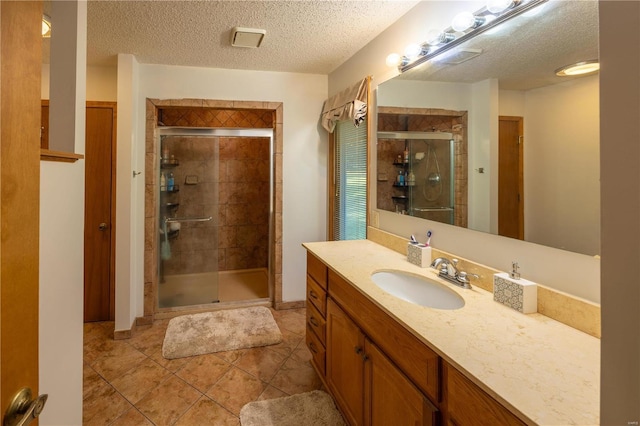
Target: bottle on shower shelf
163 182
411 179
170 182
400 179
406 154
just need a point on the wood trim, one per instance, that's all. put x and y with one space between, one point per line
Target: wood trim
331 167
65 157
369 150
281 306
331 187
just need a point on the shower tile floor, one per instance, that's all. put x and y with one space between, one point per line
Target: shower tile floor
197 289
128 382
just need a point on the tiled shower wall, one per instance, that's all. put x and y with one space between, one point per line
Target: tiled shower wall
243 217
426 120
234 191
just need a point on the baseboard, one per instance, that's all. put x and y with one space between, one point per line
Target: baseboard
279 306
125 334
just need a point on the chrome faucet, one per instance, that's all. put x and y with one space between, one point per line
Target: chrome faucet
448 270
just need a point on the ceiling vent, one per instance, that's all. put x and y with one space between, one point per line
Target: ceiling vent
459 56
247 37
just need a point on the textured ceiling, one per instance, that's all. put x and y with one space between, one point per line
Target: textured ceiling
526 51
302 36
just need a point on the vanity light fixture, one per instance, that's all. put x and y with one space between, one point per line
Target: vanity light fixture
465 26
46 26
579 68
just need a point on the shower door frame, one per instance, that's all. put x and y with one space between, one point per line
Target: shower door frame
227 132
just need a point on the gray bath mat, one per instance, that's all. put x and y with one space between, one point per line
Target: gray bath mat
314 408
220 331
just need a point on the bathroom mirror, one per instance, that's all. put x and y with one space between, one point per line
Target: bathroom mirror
475 93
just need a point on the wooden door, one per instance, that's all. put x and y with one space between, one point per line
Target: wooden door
20 45
98 217
345 367
510 178
390 398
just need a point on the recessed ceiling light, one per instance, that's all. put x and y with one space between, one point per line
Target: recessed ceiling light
579 68
247 37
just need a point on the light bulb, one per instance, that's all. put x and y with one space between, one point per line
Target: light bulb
393 60
435 37
463 21
497 6
412 51
46 26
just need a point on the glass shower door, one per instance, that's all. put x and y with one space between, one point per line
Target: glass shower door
188 248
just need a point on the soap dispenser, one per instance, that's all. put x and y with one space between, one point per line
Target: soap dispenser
515 292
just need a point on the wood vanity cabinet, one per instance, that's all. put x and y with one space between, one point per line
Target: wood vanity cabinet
467 404
316 311
377 371
368 387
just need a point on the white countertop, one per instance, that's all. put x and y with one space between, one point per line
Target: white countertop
546 372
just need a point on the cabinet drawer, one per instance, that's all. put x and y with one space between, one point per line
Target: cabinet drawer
414 358
468 404
317 296
317 270
317 350
317 323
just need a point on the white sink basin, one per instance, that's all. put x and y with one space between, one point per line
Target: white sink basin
418 290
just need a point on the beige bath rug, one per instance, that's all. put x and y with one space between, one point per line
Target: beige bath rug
219 331
314 408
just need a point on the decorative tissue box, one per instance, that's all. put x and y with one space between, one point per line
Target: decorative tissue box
519 294
419 255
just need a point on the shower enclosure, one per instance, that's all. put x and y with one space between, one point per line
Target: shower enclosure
215 216
416 174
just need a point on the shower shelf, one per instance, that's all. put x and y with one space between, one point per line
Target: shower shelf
395 185
171 205
169 163
401 198
176 188
400 164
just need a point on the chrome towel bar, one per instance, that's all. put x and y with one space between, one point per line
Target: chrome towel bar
187 219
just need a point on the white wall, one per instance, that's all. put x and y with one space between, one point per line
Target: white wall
102 83
620 166
61 290
562 170
304 157
62 229
129 221
570 272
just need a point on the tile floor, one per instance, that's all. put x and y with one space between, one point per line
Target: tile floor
128 382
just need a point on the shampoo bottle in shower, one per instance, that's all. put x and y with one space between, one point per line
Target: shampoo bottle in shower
170 182
400 178
163 182
411 180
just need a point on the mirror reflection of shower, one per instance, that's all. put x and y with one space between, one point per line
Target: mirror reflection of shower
419 171
215 213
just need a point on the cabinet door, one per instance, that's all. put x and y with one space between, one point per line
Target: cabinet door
345 367
468 404
390 398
